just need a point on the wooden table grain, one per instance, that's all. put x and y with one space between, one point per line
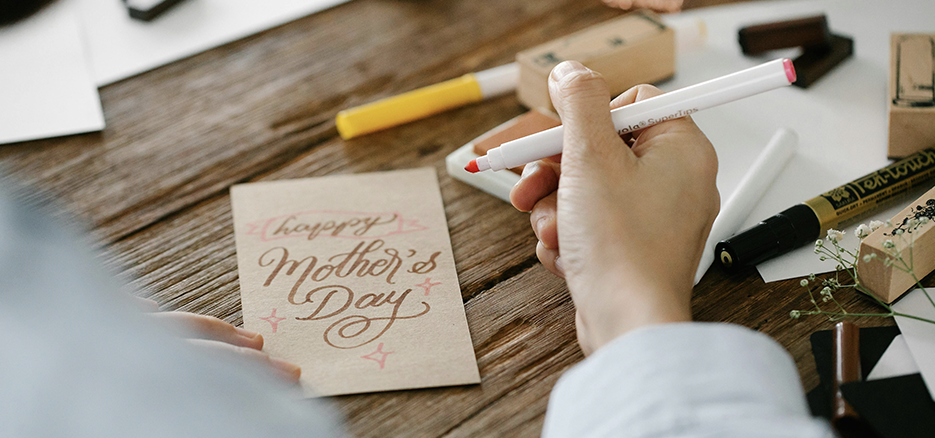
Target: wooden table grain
153 189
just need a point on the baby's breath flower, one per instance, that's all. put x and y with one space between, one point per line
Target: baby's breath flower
795 314
898 232
888 223
826 299
819 243
835 235
803 283
888 244
811 277
869 257
875 224
924 220
826 291
862 231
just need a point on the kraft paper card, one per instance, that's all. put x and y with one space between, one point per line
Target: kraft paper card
352 278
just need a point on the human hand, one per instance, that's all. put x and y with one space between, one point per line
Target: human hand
623 220
656 5
218 336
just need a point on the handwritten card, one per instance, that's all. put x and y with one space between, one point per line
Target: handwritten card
352 278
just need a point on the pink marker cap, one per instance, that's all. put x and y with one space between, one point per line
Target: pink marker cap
790 69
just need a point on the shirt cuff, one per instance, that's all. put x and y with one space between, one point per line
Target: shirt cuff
686 379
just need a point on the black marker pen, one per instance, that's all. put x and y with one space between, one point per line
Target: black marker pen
806 222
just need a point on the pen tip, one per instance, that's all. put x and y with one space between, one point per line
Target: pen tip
472 167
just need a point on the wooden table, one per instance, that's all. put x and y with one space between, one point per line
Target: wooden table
153 188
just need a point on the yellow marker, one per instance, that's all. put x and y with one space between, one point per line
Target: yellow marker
427 101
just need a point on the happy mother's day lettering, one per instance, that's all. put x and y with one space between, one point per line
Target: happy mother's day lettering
359 319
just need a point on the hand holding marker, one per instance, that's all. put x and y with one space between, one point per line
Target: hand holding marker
672 105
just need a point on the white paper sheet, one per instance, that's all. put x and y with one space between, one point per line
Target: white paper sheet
919 335
46 88
121 47
896 361
841 120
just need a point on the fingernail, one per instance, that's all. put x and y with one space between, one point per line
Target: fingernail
528 170
288 369
540 224
249 334
559 267
565 68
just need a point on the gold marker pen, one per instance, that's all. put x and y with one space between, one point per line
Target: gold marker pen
806 222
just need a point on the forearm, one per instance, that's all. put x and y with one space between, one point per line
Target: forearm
694 379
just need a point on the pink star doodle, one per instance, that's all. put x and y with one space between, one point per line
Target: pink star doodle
379 353
428 285
273 320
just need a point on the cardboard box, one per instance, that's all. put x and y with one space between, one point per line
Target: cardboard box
912 94
887 282
631 50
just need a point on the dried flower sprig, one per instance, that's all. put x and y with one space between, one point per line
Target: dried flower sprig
830 249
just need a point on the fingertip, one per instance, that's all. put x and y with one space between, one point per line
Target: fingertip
543 219
536 182
547 257
519 193
566 68
249 338
634 94
572 87
259 341
288 370
246 333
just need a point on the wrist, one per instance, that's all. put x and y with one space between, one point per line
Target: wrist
615 308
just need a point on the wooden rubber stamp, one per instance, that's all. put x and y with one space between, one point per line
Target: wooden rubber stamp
888 280
634 49
816 61
912 93
800 32
822 50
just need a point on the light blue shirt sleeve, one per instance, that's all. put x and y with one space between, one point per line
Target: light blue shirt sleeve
684 380
77 360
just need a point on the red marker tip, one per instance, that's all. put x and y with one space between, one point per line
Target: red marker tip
472 167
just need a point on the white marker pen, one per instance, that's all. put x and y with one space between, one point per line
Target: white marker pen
645 113
753 185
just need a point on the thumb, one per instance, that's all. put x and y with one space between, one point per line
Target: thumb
581 98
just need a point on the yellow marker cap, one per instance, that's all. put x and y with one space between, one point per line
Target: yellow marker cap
409 106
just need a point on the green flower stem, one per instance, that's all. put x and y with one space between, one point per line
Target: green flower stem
913 317
847 261
812 297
